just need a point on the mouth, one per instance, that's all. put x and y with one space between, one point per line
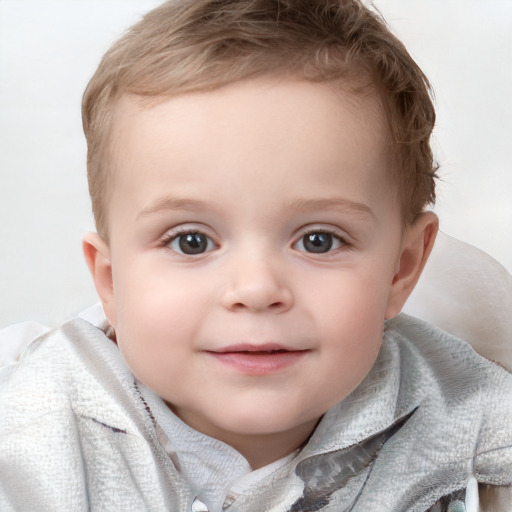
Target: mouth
255 348
258 360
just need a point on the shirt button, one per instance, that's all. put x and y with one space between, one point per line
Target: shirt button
199 506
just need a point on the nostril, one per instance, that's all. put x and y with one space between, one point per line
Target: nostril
257 296
273 306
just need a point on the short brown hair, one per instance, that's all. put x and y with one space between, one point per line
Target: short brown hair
192 45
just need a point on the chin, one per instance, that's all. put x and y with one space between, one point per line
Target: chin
261 423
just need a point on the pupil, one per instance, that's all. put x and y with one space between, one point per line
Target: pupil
317 242
193 243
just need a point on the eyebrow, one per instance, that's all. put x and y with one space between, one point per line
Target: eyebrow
338 203
172 203
300 204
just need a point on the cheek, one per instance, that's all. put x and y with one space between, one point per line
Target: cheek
348 298
348 362
350 318
354 337
157 321
151 297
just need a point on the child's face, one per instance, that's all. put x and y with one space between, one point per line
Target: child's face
255 239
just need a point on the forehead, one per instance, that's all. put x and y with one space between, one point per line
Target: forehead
306 95
256 102
250 127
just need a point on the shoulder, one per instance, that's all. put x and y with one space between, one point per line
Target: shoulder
72 413
57 373
443 356
16 337
464 401
38 430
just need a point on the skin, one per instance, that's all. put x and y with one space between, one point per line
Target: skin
256 168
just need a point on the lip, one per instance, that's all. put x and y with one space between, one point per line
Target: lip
258 360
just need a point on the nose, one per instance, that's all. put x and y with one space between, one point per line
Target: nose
257 284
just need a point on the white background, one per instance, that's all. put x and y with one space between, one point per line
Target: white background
50 48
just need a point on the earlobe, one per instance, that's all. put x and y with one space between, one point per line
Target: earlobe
417 243
97 256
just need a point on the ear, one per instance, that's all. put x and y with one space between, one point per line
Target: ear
97 256
417 243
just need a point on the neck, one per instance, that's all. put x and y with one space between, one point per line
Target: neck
263 449
258 449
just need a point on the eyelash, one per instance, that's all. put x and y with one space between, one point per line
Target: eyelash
344 244
169 238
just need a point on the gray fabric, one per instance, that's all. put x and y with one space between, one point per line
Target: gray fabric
77 434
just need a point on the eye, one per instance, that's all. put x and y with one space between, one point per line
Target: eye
191 243
319 242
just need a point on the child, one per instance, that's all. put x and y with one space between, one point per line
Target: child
259 173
